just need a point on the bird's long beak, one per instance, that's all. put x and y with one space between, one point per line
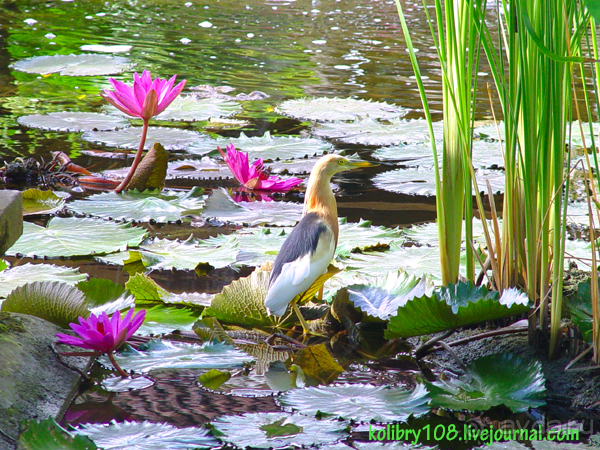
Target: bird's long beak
354 163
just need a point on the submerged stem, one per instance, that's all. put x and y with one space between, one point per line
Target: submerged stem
116 365
136 160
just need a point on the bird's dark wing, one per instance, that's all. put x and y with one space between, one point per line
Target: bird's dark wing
303 240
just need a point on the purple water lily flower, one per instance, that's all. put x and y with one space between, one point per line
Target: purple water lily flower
255 176
103 334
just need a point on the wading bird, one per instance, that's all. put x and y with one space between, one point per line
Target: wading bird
308 250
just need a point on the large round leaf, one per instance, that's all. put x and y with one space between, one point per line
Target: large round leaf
73 121
36 201
28 273
146 436
56 302
359 402
490 381
75 65
63 237
323 109
169 138
143 206
266 146
277 430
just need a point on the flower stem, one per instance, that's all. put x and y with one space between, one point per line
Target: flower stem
136 160
114 363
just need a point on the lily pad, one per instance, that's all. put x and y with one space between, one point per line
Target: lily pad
318 364
277 430
36 201
161 206
371 132
56 302
178 355
360 402
580 309
421 180
323 109
384 296
170 138
161 319
266 146
63 237
48 435
14 277
452 307
120 384
485 154
214 378
146 436
490 381
85 64
73 121
220 205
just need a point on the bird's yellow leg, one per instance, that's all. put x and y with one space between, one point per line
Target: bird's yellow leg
320 296
301 319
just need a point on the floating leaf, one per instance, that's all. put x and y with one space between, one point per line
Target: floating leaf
170 138
277 430
56 302
36 201
219 204
323 109
242 302
161 319
178 355
580 309
421 180
63 237
360 402
266 146
99 291
146 436
105 48
490 381
74 65
28 273
214 378
316 362
384 296
142 206
73 121
370 132
48 435
120 384
452 307
144 288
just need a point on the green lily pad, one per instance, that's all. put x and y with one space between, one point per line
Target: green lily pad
490 381
452 307
323 109
146 436
371 132
580 309
55 302
143 206
242 302
384 296
421 180
178 355
170 138
360 402
266 146
162 319
14 277
36 201
85 64
48 435
277 430
99 291
63 237
318 364
214 378
220 205
73 121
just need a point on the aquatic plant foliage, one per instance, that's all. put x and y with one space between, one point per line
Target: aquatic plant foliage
11 278
170 138
323 109
74 65
73 121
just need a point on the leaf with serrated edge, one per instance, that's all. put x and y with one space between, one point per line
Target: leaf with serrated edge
317 363
28 273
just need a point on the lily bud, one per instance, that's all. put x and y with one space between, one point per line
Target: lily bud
150 106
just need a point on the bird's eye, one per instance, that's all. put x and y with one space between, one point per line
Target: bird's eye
341 162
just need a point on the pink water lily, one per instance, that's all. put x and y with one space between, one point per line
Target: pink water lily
103 334
255 176
145 99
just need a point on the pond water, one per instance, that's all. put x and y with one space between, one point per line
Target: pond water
285 49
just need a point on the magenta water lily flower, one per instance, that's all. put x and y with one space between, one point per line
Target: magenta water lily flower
103 334
255 176
145 99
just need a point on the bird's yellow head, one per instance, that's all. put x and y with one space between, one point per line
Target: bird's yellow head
332 164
